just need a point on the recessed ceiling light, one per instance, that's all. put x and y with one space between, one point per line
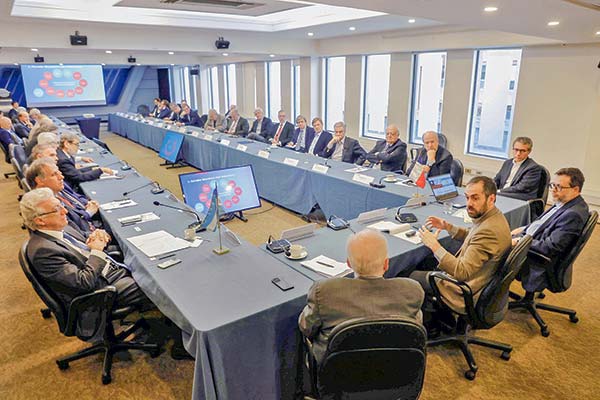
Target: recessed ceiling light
34 50
138 64
60 64
352 28
490 9
310 34
171 53
108 52
103 64
225 54
271 55
16 63
172 65
598 33
412 21
553 23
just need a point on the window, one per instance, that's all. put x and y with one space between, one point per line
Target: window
493 102
183 87
213 78
273 88
296 90
429 77
334 90
230 81
376 94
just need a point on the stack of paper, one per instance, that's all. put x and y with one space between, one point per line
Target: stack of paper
156 243
113 205
396 230
327 266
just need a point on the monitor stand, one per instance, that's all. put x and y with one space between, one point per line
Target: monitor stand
176 164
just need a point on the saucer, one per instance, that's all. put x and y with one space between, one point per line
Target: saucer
390 180
300 256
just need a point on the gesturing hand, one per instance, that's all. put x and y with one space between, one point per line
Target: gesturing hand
430 239
436 222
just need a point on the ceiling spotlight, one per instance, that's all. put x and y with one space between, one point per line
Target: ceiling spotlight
225 54
172 65
553 23
34 50
352 28
138 64
15 63
412 21
310 34
490 9
171 53
60 64
108 51
598 33
271 55
103 64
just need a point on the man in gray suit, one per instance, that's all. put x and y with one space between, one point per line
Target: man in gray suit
336 300
67 265
344 148
520 176
237 125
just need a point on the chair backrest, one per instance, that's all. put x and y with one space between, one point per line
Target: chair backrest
561 275
143 109
42 290
17 168
374 356
492 304
457 171
19 155
414 152
101 144
443 140
544 181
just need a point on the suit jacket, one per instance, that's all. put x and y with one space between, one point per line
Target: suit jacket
218 124
242 127
76 214
353 153
265 127
287 132
164 113
442 165
336 300
392 159
154 111
72 175
322 140
193 119
22 130
484 245
309 133
5 140
12 114
526 182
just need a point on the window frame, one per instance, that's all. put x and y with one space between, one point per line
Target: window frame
365 71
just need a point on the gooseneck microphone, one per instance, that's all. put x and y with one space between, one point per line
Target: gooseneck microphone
378 185
125 166
156 190
198 221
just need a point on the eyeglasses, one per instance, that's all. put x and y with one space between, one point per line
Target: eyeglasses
557 187
521 150
56 209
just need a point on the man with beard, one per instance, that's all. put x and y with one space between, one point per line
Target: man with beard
481 252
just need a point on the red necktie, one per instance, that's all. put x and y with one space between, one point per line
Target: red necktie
276 138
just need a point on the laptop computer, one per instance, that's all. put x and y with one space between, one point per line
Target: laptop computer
444 190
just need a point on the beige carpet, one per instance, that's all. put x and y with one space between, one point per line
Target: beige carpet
562 366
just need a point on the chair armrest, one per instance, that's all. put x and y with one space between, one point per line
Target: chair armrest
538 257
103 298
465 289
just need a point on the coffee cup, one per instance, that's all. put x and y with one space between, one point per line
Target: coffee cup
390 177
296 250
189 234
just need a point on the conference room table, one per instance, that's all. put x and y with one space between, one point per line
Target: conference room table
296 187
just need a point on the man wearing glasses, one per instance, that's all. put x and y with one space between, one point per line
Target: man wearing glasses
555 231
520 176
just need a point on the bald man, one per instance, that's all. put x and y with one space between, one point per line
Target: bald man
389 154
333 301
435 159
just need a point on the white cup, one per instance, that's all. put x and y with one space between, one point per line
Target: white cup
296 250
189 234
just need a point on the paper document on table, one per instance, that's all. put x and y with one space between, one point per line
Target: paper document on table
327 266
356 170
415 239
113 176
159 242
138 218
113 205
462 213
88 165
391 227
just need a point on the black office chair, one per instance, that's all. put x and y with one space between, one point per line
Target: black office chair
203 119
143 109
76 321
414 152
443 140
101 144
457 171
537 205
18 153
371 358
489 310
559 274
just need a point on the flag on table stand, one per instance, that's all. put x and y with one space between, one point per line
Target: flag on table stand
420 182
417 175
211 219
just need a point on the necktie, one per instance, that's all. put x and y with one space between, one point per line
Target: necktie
300 141
276 138
314 143
232 128
81 246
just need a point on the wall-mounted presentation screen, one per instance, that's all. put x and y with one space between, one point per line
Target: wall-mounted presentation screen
53 85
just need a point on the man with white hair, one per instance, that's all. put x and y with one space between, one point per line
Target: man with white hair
436 160
336 300
260 127
343 148
68 265
35 115
68 148
7 137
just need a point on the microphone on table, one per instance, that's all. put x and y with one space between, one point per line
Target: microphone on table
157 189
194 225
125 166
326 163
378 185
112 163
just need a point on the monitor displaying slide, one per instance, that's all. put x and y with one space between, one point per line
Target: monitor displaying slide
169 150
54 85
236 188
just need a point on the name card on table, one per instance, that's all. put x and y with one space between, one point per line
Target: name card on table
361 178
263 154
291 161
208 137
195 134
151 123
182 129
225 142
320 168
241 147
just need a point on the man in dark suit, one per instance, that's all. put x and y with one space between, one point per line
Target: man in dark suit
520 176
154 111
319 141
343 148
69 145
6 138
261 127
163 110
389 154
236 124
435 159
174 114
333 301
23 125
67 265
14 111
555 231
282 132
302 135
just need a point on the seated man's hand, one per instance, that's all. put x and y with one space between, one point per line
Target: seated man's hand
87 159
435 222
92 207
107 171
96 241
431 156
290 144
515 241
430 239
517 231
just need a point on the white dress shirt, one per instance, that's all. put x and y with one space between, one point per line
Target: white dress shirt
513 171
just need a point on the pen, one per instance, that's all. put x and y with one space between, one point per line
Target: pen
325 264
167 256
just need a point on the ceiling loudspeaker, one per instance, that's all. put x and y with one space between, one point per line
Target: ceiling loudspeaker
194 71
38 59
221 43
131 59
78 40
